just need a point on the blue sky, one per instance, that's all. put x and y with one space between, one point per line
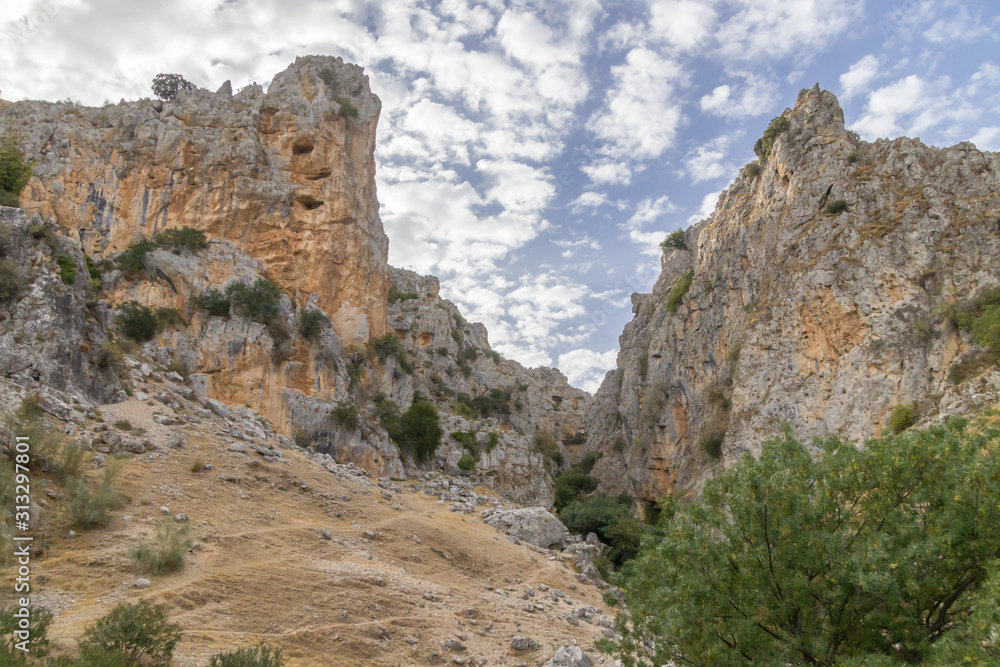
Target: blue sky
533 154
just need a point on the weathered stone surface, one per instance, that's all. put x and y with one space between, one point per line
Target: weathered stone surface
530 524
569 656
287 176
798 315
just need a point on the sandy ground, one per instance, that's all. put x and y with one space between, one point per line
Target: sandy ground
261 571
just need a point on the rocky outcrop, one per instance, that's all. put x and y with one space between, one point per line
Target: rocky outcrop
534 525
814 296
52 328
288 176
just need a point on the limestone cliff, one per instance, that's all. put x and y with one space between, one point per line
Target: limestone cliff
288 176
814 296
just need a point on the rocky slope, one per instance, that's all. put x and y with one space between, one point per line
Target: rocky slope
282 184
288 176
815 295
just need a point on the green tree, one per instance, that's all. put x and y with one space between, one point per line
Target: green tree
420 430
15 172
137 321
166 86
138 631
857 557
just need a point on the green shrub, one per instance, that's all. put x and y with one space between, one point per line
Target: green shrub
38 622
463 409
854 156
109 356
545 444
443 351
311 323
765 144
753 169
184 238
123 424
469 353
836 207
902 417
167 318
390 345
494 403
10 280
986 329
167 550
969 365
570 485
215 302
93 269
132 260
466 463
712 446
610 519
257 656
420 430
345 416
387 412
676 240
465 368
678 291
67 267
643 365
619 445
492 440
395 294
259 302
137 322
347 109
465 438
575 438
89 507
15 172
139 631
845 556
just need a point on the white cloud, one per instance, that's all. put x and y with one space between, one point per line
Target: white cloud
755 96
589 200
859 77
887 105
683 24
962 26
586 368
707 163
641 112
707 207
987 138
716 100
777 28
609 172
649 210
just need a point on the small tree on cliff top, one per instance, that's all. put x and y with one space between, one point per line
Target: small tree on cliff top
166 86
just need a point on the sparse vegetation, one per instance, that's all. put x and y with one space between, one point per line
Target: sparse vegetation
611 519
123 424
10 280
466 463
256 656
132 260
215 302
311 324
89 507
545 444
140 632
837 206
388 346
345 416
902 417
167 318
15 172
347 109
259 302
109 356
574 483
643 365
575 438
765 144
67 267
165 553
137 322
184 238
678 291
419 430
753 169
676 240
395 294
711 445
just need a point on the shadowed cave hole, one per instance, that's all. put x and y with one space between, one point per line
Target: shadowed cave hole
302 147
308 203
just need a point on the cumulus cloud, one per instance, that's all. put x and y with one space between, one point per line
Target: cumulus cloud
586 368
754 96
609 172
641 112
859 77
987 138
707 207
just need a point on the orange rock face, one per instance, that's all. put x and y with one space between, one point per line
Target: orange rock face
288 176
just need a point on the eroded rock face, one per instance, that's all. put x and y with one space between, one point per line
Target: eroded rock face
798 314
51 331
287 176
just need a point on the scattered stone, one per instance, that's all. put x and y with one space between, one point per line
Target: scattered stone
572 620
452 644
237 447
324 534
180 517
141 396
569 656
119 397
535 525
164 509
412 641
143 583
523 644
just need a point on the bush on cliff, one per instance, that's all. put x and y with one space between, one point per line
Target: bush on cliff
137 322
15 172
259 302
765 144
854 557
166 86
